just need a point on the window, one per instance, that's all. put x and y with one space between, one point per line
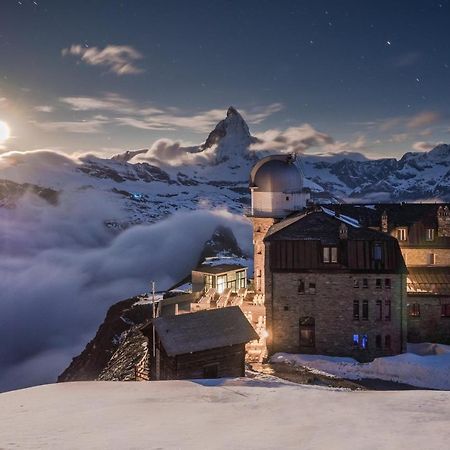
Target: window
414 310
387 283
326 254
241 280
387 341
221 283
312 288
429 236
445 310
364 342
286 307
301 287
356 340
402 234
379 310
365 283
377 252
378 340
356 283
365 310
432 259
211 370
330 255
287 198
378 283
334 256
355 309
209 282
387 310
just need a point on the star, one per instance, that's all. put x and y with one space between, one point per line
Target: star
388 42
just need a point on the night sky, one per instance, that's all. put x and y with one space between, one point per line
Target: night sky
104 76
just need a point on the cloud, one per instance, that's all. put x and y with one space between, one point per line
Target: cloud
93 125
44 108
292 140
150 117
423 146
423 119
120 59
61 268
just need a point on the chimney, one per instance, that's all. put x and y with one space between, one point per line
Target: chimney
343 231
443 220
384 222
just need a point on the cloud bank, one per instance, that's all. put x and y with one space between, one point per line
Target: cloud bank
61 268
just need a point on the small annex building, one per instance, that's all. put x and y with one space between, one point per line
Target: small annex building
204 344
219 277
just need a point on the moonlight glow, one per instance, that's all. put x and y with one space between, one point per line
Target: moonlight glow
4 131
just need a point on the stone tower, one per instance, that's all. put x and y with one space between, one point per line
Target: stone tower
443 218
276 186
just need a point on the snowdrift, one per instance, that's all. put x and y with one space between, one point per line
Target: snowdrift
425 365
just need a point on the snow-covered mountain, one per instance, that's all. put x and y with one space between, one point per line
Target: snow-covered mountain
146 185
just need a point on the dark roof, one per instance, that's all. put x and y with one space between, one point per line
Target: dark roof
399 214
203 330
319 225
220 268
428 280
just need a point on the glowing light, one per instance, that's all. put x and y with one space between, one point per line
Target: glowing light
4 131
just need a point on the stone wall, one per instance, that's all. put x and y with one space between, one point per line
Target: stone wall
420 256
260 227
332 308
429 325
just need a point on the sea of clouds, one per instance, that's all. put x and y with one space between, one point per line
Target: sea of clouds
61 269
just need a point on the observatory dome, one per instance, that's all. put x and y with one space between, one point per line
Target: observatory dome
277 174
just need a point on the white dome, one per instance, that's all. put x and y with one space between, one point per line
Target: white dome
276 173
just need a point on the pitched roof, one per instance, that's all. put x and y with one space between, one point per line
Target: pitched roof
428 280
321 224
203 330
399 214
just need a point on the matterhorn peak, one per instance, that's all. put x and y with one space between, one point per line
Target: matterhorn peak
231 136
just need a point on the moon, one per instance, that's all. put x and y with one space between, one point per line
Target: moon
4 131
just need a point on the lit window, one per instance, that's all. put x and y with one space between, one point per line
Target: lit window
429 234
364 342
402 234
414 309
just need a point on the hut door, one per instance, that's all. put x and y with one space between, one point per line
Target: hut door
307 329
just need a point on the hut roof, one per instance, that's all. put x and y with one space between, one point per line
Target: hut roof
203 330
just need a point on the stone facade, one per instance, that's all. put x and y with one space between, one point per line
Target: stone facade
422 256
261 226
329 300
426 319
443 217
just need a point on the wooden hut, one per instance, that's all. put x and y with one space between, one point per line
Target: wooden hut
205 344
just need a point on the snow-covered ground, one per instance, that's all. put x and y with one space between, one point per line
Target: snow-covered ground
232 414
425 365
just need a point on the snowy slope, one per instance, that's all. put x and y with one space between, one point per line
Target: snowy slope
232 414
